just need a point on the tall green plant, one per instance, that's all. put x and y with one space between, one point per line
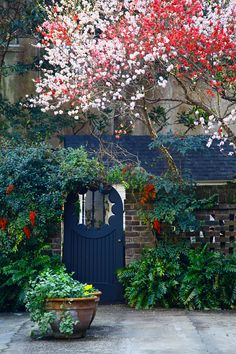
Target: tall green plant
210 280
155 278
177 276
18 269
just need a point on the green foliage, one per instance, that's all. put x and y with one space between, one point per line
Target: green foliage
40 179
16 270
155 278
175 203
19 18
158 116
53 284
210 281
79 170
19 122
177 276
189 118
132 176
180 144
39 184
32 172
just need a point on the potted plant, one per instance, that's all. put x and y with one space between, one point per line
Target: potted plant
61 306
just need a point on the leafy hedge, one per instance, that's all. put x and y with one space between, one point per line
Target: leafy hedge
34 183
177 276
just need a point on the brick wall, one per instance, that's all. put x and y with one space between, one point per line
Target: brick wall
218 229
137 235
56 240
218 224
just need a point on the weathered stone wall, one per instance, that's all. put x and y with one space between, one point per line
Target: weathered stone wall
14 87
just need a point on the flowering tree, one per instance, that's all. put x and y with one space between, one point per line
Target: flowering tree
122 55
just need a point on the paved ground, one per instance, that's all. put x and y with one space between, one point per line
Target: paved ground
120 330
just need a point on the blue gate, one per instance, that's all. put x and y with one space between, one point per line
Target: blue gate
94 240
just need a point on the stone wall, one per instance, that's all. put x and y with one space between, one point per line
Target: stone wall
14 86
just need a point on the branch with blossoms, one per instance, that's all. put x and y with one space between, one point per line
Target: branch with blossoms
123 55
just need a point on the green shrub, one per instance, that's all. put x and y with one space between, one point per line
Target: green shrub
209 281
177 276
155 278
18 269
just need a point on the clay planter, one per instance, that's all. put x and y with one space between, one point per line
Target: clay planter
81 309
98 296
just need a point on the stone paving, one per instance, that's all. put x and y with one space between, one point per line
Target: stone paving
120 330
10 324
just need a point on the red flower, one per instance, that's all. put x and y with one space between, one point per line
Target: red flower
27 231
149 194
210 92
3 223
10 189
32 217
157 226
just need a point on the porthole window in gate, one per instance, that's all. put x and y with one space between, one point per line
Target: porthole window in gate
93 209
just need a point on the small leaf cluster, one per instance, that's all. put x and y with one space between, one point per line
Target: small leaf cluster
177 276
67 324
79 169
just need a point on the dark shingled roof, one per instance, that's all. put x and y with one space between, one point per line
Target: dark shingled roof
204 165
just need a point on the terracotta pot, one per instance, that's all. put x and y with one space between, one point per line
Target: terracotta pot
81 310
98 296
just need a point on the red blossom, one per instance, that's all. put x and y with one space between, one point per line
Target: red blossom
148 194
32 217
3 223
210 93
27 231
157 226
10 189
193 41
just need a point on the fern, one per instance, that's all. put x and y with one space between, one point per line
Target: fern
174 275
